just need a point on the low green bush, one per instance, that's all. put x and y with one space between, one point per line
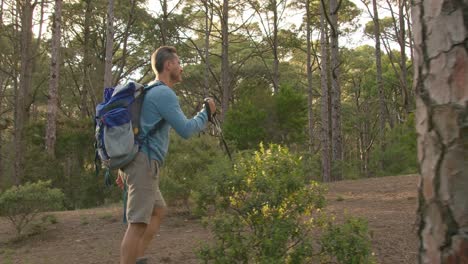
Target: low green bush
21 204
183 173
348 243
262 210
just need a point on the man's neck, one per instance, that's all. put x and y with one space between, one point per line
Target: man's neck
165 79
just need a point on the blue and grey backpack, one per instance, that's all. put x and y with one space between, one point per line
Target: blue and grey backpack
117 126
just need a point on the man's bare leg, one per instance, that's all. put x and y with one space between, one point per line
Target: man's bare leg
151 230
130 242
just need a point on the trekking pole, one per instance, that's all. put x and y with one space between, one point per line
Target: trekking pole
215 121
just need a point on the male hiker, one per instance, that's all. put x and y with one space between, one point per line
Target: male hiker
146 206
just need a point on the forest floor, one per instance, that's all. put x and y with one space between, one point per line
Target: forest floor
93 235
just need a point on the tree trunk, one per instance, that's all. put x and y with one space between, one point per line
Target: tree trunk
440 78
225 71
208 23
1 13
379 79
403 70
52 104
309 78
275 48
86 60
22 100
325 113
164 22
337 147
123 59
109 45
410 35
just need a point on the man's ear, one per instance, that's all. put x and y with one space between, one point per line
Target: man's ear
167 64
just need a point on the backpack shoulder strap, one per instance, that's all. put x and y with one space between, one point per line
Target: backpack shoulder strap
150 86
159 124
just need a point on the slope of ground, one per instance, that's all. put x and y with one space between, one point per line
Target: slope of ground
93 236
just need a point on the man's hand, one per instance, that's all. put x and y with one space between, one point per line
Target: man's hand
210 107
119 181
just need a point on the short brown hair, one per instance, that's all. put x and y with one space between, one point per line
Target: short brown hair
160 56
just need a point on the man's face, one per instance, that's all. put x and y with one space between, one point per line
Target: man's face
175 70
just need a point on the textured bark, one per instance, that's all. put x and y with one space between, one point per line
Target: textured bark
86 60
309 78
123 59
163 25
1 13
23 96
208 25
325 101
337 144
109 45
402 42
225 71
52 104
275 47
440 79
380 86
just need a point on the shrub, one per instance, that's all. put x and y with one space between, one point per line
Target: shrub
349 243
185 165
259 209
21 204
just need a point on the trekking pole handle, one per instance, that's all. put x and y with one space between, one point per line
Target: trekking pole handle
209 104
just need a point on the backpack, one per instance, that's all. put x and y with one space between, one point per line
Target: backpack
117 126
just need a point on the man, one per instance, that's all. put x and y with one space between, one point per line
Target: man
146 205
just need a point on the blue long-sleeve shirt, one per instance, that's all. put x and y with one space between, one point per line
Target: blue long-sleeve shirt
161 102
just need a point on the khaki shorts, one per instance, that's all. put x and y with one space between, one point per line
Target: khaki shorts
142 179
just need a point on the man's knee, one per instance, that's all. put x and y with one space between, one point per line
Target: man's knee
137 228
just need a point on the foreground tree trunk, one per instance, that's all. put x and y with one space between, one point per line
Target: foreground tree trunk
440 79
52 104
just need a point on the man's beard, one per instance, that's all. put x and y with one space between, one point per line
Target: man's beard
175 78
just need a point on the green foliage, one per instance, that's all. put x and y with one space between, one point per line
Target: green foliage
262 117
21 204
400 155
72 168
183 173
39 226
349 243
245 124
259 207
291 111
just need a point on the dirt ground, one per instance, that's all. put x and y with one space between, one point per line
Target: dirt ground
93 236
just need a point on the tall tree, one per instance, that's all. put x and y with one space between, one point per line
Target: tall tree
109 45
309 75
337 144
325 99
403 57
23 95
270 27
440 80
225 69
52 104
164 21
380 85
208 25
86 62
